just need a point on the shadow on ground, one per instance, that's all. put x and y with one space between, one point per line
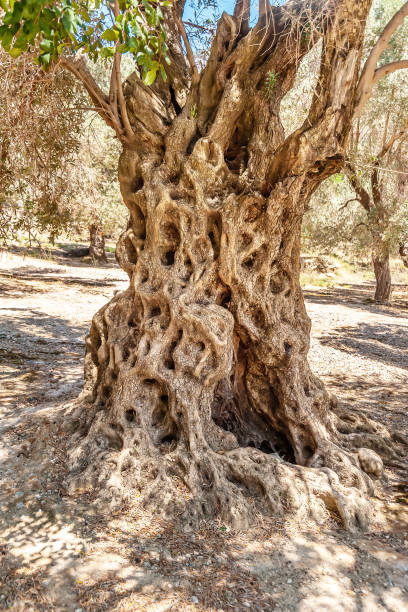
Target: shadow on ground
385 343
360 296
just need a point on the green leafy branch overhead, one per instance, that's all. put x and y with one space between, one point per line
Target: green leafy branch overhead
67 33
55 28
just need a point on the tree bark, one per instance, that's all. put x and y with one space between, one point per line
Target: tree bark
97 244
403 251
382 277
198 391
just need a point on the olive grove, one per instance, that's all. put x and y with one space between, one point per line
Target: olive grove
198 392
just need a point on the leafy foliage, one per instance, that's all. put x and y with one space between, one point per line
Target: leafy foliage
58 163
94 27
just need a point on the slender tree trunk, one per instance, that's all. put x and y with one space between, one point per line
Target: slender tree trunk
403 251
198 391
382 277
97 244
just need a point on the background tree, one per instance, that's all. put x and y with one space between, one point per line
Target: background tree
197 380
377 165
58 172
37 152
368 211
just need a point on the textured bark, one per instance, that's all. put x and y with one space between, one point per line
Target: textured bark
382 278
198 391
97 244
403 251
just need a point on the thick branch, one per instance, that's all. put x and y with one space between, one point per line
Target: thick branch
368 75
80 71
242 13
320 142
384 71
119 87
121 98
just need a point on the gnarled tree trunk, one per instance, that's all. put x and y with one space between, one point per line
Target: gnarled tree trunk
97 244
198 390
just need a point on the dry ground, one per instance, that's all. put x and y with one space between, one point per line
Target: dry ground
55 555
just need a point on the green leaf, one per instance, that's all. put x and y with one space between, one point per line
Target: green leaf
150 76
69 22
45 59
110 35
163 73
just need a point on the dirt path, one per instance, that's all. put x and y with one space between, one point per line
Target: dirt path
54 555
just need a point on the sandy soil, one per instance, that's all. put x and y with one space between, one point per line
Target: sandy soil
55 555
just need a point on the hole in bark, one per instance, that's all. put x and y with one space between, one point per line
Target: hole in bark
168 258
136 184
214 233
170 238
155 312
275 286
130 415
201 346
188 269
164 399
168 439
287 348
259 318
266 447
125 354
176 105
149 381
308 452
106 391
169 363
132 323
116 442
225 298
251 427
159 415
249 262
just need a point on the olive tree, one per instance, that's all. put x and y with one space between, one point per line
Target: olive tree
198 391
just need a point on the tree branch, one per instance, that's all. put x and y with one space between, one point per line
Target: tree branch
388 145
199 27
78 68
242 13
384 71
116 67
366 82
190 55
363 195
